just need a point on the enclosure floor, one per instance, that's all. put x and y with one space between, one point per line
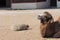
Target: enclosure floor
15 17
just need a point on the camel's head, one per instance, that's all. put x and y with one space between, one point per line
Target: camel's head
45 17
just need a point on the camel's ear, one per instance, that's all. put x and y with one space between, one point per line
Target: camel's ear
51 21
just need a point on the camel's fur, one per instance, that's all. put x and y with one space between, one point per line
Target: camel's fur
48 27
51 29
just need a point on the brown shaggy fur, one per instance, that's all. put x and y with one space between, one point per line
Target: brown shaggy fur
58 20
57 29
47 30
50 29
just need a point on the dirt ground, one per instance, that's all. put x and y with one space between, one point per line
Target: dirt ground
15 17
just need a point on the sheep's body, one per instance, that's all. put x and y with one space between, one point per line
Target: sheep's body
19 27
24 27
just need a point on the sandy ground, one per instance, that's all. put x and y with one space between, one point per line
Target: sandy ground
13 17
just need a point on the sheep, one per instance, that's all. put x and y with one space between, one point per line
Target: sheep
20 27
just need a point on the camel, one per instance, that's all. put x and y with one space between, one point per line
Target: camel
49 27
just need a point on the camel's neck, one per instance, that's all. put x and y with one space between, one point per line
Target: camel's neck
43 28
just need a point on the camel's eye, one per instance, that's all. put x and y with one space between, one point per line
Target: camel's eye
45 17
39 16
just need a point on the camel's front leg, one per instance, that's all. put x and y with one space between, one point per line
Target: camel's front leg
56 35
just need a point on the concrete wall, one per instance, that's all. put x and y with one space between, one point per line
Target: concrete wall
23 5
43 4
30 5
58 3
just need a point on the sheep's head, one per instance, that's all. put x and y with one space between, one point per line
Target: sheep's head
45 17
